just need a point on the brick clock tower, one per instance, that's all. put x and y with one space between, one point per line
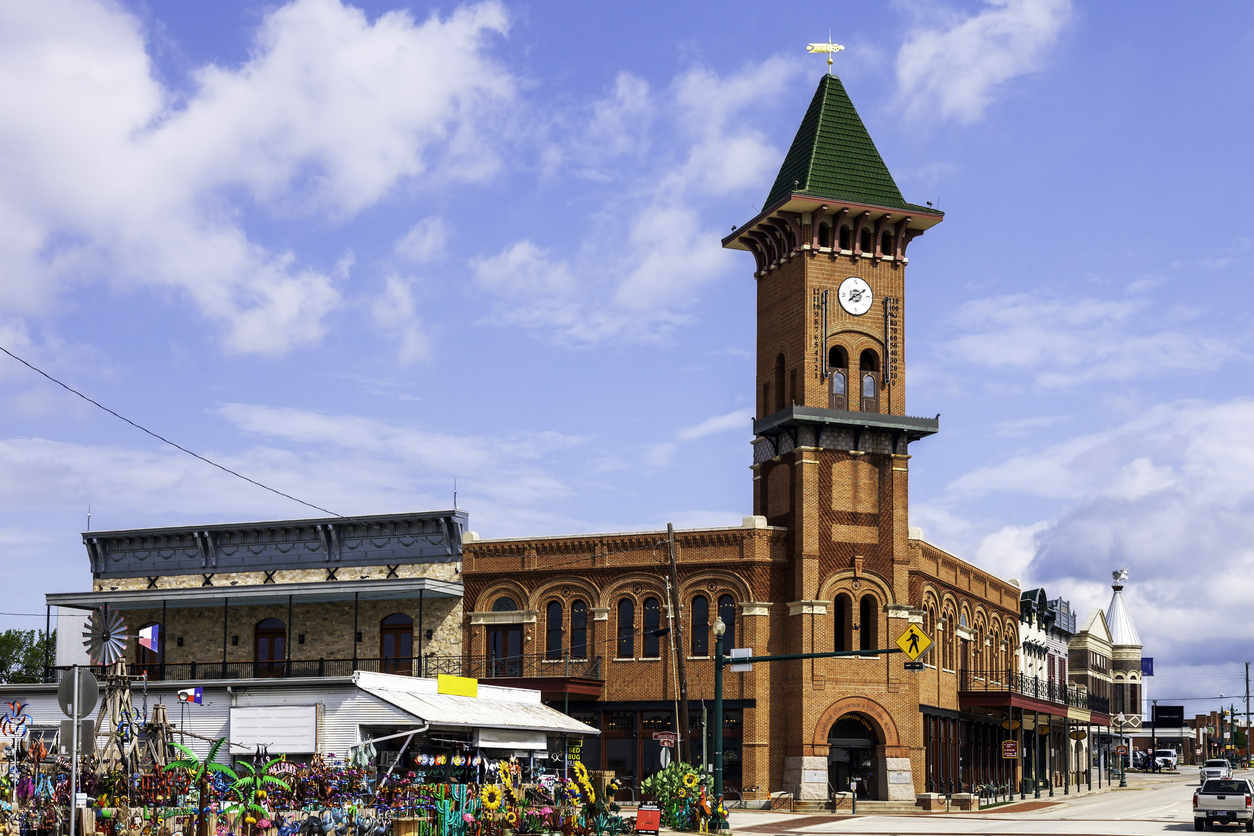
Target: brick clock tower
830 454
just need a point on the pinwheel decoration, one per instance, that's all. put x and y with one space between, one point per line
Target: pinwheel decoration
105 637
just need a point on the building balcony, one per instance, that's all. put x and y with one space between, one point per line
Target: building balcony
541 672
977 687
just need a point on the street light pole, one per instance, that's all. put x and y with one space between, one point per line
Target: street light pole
719 629
1123 776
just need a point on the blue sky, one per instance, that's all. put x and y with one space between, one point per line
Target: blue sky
358 252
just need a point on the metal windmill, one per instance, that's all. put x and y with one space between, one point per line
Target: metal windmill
106 639
105 636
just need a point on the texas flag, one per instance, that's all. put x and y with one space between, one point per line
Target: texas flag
191 695
148 637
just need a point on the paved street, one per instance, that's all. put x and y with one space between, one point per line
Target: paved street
1150 804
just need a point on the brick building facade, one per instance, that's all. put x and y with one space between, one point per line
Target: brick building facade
827 561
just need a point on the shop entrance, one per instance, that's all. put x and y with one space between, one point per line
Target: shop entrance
852 755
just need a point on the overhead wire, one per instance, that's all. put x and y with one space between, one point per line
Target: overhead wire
382 528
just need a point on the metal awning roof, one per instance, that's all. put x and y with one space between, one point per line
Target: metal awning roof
494 708
272 593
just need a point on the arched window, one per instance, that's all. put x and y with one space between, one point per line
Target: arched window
779 382
846 237
886 244
825 235
948 639
868 623
626 629
504 604
867 240
652 623
150 660
553 630
838 361
579 630
270 647
700 626
396 644
869 365
727 612
842 622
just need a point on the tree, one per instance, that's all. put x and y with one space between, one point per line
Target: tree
22 655
200 771
251 790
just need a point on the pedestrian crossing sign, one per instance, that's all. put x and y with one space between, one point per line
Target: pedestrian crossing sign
914 642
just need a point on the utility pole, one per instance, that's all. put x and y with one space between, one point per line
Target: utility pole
1247 712
684 744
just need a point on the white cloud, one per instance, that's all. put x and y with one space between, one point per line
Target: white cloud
344 463
1059 342
954 69
1167 494
106 173
395 312
661 455
649 252
425 241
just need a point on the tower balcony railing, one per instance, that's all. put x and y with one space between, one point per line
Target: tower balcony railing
478 667
1013 682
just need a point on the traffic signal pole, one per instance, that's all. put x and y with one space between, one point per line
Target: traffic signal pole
721 660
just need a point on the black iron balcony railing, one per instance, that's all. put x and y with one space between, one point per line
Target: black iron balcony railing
1012 682
479 667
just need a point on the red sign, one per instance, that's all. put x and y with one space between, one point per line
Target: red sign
665 736
667 743
1010 749
1123 750
648 819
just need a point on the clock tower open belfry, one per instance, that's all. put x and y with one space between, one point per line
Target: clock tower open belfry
832 436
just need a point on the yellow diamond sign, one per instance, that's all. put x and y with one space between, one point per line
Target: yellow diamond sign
914 642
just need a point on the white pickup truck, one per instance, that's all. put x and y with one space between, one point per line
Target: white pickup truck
1224 801
1215 768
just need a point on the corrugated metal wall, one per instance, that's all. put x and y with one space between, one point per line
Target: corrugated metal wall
343 709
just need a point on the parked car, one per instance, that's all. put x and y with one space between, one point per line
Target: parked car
1224 801
1215 768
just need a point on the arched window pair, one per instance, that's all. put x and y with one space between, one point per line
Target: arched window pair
700 643
554 633
652 646
867 626
825 236
868 367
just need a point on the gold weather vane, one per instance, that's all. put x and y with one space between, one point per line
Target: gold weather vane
828 47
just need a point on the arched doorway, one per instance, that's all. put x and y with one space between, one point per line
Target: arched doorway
852 754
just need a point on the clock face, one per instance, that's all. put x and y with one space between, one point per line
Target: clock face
855 295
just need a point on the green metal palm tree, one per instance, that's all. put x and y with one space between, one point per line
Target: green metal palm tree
200 771
251 789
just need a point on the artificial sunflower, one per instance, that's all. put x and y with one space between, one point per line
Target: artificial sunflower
491 797
589 793
512 818
690 780
683 793
581 771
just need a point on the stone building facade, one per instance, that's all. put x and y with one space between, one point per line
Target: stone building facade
826 563
289 598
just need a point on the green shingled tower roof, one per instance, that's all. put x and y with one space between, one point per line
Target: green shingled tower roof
833 157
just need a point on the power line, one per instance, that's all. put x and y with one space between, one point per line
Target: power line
165 440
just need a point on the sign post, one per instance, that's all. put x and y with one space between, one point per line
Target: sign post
77 695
